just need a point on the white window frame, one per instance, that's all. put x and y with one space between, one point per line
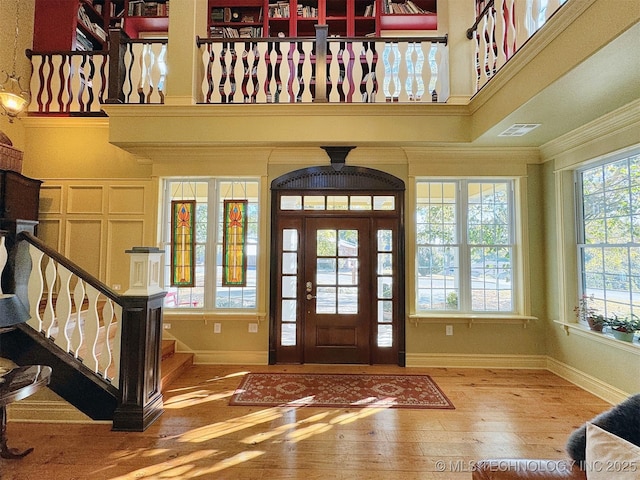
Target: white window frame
516 221
211 275
580 240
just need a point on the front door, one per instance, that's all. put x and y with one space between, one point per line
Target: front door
337 267
337 297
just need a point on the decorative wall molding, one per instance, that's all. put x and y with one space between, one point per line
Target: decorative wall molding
49 411
461 360
221 357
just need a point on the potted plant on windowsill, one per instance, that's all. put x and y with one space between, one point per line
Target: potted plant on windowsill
624 328
585 312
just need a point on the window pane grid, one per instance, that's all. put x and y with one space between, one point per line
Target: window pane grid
474 274
609 243
208 292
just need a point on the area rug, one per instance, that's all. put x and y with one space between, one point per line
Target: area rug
339 390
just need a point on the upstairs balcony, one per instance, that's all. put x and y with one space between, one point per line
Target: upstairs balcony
489 65
407 69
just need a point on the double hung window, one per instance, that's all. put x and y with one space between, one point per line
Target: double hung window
465 246
197 207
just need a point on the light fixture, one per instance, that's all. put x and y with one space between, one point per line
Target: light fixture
13 98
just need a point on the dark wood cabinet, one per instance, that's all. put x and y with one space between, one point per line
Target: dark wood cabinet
19 202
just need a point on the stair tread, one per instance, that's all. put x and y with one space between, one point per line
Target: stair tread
173 366
168 348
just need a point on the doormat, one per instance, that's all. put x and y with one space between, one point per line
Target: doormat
339 390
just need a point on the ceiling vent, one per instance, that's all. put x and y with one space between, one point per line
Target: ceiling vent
519 129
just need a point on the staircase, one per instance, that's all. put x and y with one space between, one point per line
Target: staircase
173 363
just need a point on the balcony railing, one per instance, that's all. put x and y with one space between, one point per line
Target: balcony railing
501 29
285 70
357 70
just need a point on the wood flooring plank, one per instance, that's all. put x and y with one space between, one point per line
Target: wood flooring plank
499 413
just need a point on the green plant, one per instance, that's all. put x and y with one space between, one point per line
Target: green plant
628 324
584 310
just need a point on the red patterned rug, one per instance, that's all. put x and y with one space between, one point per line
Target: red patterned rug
339 390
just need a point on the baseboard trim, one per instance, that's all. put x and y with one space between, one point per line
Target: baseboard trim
48 411
587 382
207 357
452 360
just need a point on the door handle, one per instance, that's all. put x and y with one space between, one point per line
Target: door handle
310 297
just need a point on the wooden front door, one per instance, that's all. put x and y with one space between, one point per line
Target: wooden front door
337 298
337 267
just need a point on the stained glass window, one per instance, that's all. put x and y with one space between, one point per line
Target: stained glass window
182 243
234 271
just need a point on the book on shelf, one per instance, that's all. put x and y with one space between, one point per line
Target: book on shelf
407 7
91 26
142 8
279 10
242 32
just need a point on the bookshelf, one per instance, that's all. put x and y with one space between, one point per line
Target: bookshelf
137 17
69 25
78 25
297 18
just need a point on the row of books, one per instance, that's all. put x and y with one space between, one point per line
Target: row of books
228 14
142 8
93 27
402 8
230 32
83 43
279 10
305 11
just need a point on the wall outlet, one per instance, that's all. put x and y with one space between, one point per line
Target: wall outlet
253 328
166 326
217 327
448 330
117 286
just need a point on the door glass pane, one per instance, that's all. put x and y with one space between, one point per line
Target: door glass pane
385 311
384 287
289 310
384 202
360 202
289 287
314 202
337 202
288 337
348 300
385 241
348 268
326 243
289 263
326 300
326 271
385 335
347 243
291 202
385 266
289 239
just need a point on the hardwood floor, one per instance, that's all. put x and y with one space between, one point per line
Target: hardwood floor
499 413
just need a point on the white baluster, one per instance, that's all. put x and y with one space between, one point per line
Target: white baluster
117 311
3 257
63 308
91 328
76 338
35 288
49 311
105 351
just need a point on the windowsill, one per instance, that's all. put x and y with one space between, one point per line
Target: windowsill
472 318
605 338
177 314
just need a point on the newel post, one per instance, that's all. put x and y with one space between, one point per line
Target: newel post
117 49
321 63
141 337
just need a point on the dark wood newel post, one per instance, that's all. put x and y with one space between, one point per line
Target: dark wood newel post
321 63
140 345
117 49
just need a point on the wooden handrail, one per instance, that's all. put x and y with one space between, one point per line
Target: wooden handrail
474 27
72 267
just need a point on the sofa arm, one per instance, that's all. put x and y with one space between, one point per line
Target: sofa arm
515 469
